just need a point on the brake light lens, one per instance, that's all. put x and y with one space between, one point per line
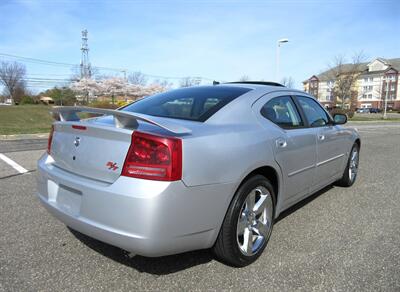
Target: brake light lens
78 127
50 139
154 157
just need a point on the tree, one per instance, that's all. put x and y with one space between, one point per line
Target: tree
19 93
189 81
345 76
137 78
162 83
85 86
61 96
116 86
244 78
288 82
12 76
113 86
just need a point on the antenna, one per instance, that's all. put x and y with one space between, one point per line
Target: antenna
86 68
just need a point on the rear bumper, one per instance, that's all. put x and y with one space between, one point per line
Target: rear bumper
148 218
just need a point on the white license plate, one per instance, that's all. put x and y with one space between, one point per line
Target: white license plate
69 200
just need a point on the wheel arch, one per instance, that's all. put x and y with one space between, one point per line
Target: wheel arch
268 172
358 142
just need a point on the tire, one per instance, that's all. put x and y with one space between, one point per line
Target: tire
351 170
247 227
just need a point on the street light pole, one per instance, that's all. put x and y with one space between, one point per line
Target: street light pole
281 41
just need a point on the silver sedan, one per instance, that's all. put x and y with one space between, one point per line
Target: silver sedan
194 168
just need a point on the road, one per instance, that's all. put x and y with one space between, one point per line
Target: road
340 239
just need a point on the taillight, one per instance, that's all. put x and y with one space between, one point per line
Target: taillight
78 127
50 139
154 157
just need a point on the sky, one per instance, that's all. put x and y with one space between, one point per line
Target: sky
217 40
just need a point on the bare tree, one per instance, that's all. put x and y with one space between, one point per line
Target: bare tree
288 82
162 83
244 78
345 76
12 76
137 78
189 81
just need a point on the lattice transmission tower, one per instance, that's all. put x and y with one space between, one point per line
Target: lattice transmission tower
86 68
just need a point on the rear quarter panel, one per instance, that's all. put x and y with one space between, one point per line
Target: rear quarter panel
228 147
226 154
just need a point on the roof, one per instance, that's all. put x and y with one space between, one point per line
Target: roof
268 83
46 98
392 63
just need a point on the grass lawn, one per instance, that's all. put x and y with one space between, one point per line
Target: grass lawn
376 118
25 119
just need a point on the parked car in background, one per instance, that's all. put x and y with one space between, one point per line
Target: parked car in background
373 110
363 110
194 168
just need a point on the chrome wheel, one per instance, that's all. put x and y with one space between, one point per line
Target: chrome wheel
353 165
255 221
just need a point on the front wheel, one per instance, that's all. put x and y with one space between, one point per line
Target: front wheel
351 170
248 223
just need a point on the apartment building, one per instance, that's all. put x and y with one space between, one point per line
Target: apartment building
376 80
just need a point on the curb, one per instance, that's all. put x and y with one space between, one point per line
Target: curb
374 121
24 136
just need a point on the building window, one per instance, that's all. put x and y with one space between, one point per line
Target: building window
370 88
390 77
370 96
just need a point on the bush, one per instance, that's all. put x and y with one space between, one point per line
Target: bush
103 104
121 103
27 100
348 112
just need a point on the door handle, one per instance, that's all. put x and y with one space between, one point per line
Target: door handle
281 143
321 137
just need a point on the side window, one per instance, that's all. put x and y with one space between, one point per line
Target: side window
315 114
282 111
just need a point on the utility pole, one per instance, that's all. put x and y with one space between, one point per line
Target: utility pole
86 69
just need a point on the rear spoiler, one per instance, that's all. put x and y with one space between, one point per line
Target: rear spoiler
122 119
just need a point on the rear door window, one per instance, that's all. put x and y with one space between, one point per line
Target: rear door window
193 103
283 112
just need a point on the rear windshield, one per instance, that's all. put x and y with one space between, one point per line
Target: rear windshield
193 103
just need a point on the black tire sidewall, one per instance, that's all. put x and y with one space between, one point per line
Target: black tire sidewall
233 215
346 176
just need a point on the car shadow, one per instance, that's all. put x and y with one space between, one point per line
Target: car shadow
156 266
302 203
174 263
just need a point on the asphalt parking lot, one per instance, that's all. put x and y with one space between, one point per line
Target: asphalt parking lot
340 239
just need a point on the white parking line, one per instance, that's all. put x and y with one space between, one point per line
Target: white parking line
13 164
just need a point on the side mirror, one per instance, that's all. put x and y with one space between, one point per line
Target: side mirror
339 119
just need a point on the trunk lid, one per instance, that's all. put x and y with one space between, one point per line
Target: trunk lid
91 150
96 148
